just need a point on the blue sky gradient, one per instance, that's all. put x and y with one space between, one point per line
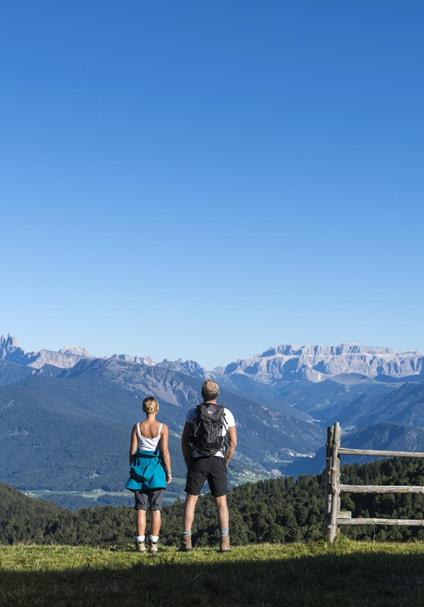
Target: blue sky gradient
204 179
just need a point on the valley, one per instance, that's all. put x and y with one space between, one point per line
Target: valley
66 417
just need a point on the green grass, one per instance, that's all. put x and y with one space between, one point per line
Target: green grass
353 574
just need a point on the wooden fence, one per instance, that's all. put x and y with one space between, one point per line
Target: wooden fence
334 488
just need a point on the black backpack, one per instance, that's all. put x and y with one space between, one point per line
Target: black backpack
206 429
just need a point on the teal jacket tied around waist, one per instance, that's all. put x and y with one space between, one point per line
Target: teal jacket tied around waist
146 471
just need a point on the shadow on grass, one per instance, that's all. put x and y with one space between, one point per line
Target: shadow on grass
357 580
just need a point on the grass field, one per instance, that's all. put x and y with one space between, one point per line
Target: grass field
313 575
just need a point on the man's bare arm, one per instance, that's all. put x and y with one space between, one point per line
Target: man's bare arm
185 443
232 443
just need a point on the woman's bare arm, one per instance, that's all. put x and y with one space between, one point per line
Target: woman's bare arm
133 443
164 449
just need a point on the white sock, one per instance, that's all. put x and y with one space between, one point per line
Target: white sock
140 538
154 538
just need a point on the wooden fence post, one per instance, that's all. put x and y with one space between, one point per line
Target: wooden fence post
327 477
333 504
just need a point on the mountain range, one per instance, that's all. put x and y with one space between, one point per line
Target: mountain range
65 416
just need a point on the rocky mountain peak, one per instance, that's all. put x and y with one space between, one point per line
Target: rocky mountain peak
64 358
316 363
74 350
7 344
140 360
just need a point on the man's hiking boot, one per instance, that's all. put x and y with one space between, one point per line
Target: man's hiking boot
224 545
153 547
186 545
140 546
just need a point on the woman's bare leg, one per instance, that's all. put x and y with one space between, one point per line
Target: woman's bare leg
155 522
141 522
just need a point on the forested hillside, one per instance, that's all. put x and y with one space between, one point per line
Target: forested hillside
25 519
280 510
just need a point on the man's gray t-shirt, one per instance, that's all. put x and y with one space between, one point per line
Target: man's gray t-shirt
229 422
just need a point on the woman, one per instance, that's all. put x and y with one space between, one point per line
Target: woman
150 472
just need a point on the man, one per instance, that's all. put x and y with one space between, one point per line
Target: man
208 443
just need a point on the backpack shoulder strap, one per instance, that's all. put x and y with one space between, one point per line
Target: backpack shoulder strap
199 410
196 421
220 412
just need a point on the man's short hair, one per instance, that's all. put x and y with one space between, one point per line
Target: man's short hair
210 390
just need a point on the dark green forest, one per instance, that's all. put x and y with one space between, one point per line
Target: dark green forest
279 510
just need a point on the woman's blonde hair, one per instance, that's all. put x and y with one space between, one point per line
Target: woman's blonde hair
150 405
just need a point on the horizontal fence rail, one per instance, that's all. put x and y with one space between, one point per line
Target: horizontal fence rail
335 516
378 452
381 489
381 521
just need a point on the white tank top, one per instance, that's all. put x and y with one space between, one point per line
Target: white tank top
148 444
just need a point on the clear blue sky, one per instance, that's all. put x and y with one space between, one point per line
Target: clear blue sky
203 179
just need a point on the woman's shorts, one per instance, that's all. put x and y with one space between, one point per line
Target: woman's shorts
151 499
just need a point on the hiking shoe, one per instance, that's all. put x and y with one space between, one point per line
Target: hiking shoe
186 545
140 546
224 545
153 547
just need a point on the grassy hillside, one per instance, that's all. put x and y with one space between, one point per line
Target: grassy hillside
302 575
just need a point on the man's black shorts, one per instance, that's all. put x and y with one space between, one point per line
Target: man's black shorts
211 468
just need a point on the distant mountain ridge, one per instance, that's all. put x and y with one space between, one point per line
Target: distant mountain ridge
284 362
65 358
317 363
